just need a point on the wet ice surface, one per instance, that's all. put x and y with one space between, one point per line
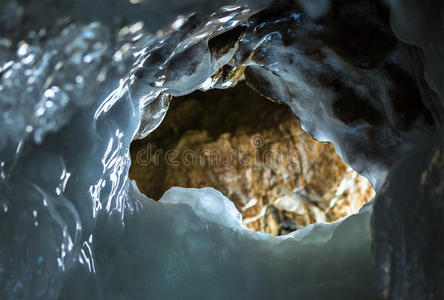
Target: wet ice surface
198 249
71 98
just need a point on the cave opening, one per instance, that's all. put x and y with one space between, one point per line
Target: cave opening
255 152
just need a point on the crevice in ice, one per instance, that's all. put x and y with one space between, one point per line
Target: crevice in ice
254 152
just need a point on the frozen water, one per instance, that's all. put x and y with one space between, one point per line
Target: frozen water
78 84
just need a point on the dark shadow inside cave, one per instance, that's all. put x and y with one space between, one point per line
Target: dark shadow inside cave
254 151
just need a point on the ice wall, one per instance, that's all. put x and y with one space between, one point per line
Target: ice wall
76 82
408 217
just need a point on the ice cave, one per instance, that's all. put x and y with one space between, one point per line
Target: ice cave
223 149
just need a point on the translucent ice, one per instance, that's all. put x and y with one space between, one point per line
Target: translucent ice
80 79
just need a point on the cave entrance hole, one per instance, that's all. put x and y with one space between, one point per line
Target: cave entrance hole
254 151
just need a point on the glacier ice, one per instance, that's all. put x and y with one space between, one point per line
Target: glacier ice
410 266
77 79
408 219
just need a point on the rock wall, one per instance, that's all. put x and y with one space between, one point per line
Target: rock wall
255 152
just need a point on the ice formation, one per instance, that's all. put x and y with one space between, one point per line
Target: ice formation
77 78
255 152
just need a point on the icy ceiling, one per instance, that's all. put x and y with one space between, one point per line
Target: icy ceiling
80 79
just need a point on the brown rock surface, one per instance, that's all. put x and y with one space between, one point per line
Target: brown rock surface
253 151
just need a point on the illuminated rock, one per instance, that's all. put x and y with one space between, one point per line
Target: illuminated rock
256 154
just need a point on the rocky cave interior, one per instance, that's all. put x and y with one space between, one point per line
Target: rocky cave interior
226 149
255 152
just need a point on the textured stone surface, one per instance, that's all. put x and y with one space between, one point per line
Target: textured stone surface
256 154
